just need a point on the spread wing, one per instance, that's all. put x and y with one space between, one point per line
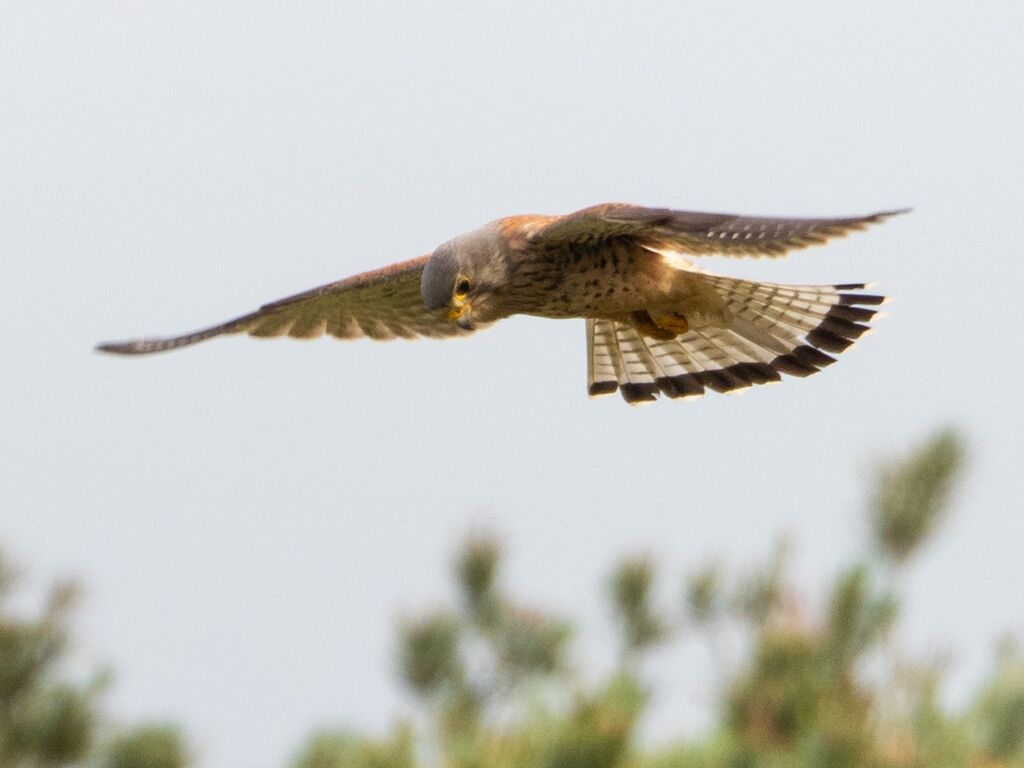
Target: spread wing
381 304
698 234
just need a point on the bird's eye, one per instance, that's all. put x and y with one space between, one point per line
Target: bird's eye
462 288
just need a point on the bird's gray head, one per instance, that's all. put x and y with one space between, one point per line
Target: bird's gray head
465 276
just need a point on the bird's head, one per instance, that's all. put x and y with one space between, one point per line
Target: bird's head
464 277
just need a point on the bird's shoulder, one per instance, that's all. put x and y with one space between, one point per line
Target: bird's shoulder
517 231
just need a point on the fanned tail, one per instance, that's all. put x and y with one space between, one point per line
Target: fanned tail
774 330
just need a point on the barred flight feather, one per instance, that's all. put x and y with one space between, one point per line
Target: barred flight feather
381 305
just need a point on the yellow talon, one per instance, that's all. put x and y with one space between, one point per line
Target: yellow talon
661 326
673 322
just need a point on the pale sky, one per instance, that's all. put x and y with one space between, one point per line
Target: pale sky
251 517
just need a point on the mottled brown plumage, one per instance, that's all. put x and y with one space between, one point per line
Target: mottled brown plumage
655 323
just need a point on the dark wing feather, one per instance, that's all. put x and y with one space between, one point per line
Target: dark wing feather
698 234
381 304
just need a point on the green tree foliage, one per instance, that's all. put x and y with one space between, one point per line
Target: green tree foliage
806 678
758 596
147 746
48 720
703 595
430 659
640 624
44 720
911 494
817 680
476 569
348 749
998 717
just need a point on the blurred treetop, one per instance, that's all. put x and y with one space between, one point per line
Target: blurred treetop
47 720
496 687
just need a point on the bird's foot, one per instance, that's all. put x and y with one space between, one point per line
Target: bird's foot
663 326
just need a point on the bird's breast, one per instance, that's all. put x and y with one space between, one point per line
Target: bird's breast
585 281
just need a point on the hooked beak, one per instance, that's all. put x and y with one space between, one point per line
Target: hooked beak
461 316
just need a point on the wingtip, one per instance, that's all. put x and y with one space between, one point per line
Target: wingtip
119 347
883 215
144 346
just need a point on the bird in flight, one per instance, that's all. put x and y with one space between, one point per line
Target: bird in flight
656 324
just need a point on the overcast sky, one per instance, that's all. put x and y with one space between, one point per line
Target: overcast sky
251 517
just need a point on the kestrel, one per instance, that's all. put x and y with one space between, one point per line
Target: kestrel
655 322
